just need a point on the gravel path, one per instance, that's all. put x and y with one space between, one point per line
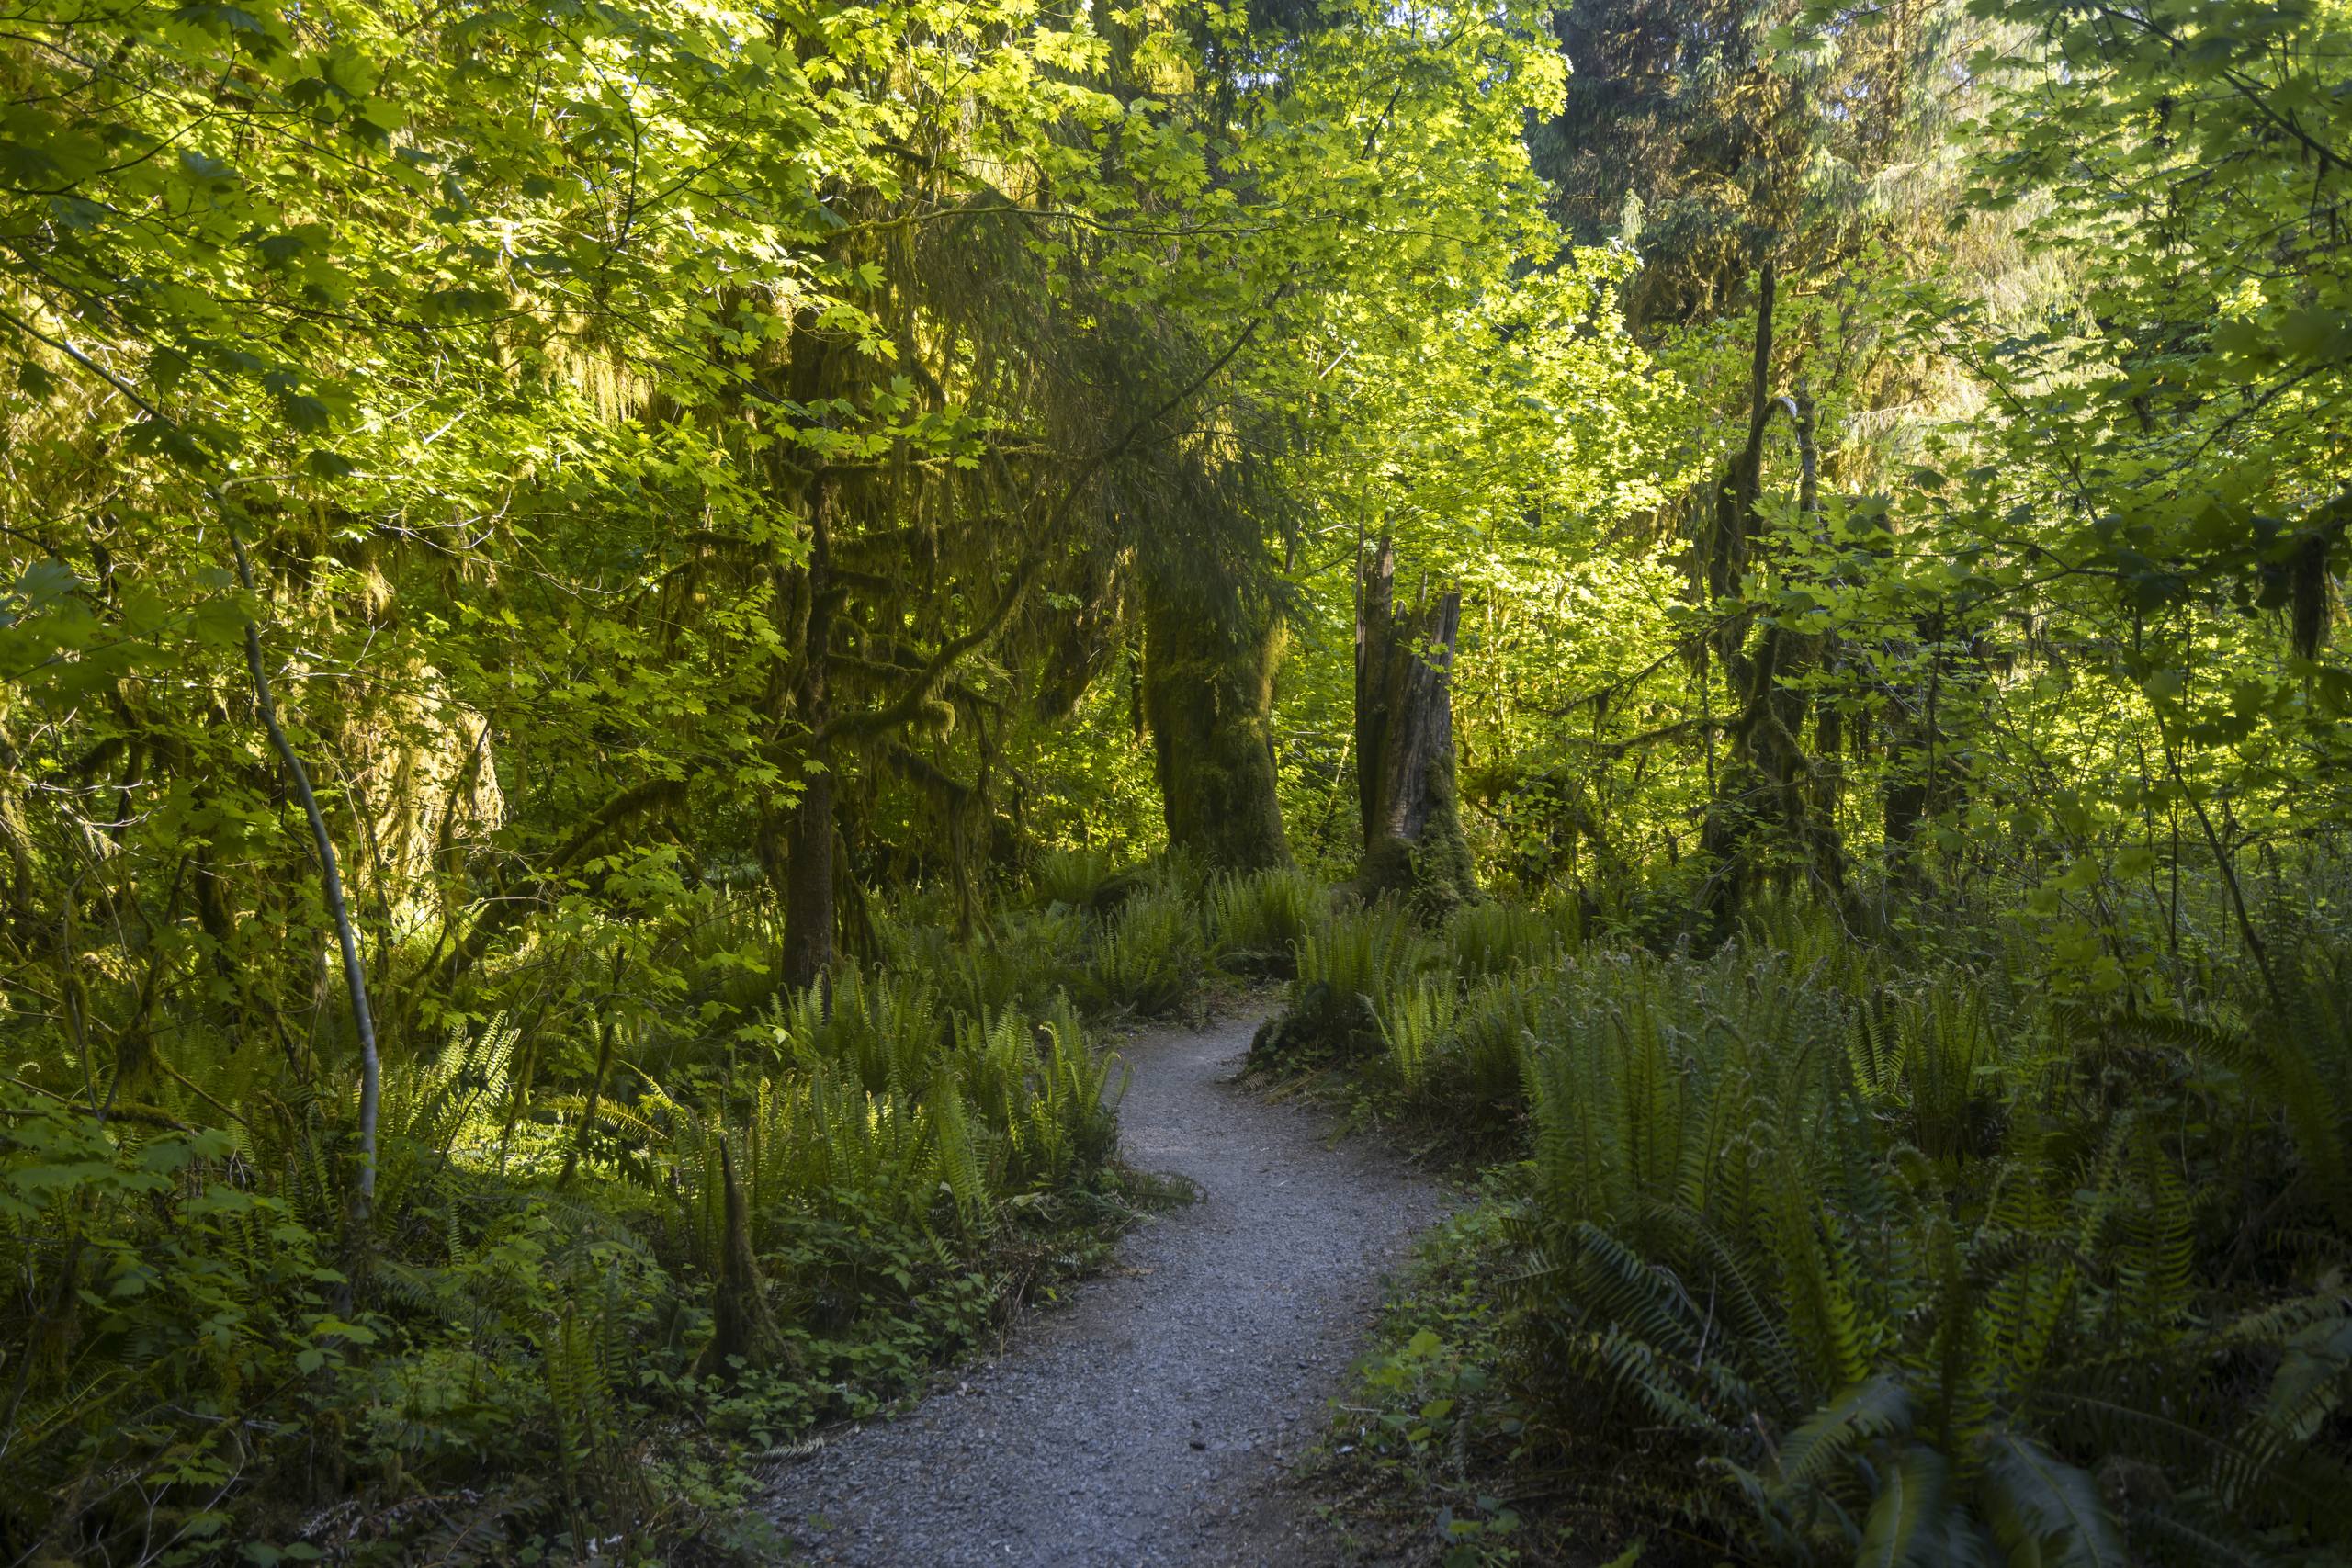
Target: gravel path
1150 1420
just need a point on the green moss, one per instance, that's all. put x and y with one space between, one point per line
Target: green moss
1208 693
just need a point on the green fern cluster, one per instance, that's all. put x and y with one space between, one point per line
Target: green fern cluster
1840 1255
1074 878
1493 937
187 1339
1257 921
1415 1025
1149 957
902 1130
1890 1276
1031 957
1354 969
883 1031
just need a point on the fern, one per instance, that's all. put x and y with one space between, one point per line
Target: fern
1258 921
2043 1510
1956 1267
1418 1025
1881 1407
1910 1523
1149 957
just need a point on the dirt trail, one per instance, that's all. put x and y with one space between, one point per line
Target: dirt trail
1149 1420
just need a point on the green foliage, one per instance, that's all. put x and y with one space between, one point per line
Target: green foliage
722 496
904 1169
1896 1266
1258 921
1032 957
1354 968
1414 1028
1490 937
1080 878
1149 957
883 1033
1433 1426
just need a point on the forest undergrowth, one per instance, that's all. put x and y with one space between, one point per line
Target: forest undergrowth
1817 1248
605 1285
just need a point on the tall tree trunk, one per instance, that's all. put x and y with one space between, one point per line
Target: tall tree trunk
1735 522
1912 744
809 902
1768 791
744 1331
808 840
1209 694
1406 790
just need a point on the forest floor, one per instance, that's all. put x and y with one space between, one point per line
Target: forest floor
1153 1418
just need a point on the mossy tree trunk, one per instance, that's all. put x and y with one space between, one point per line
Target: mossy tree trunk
809 912
795 831
1406 789
1913 745
1209 695
1769 796
744 1331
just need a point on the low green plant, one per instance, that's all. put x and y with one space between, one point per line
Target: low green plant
1432 1428
1490 1042
533 1329
1080 878
1490 937
1354 969
1915 1353
1028 957
1893 1260
1418 1027
883 1031
1149 957
1257 922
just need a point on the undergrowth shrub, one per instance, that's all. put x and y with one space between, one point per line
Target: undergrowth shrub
1075 878
1430 1422
1889 1260
726 942
1887 1276
1489 1048
1000 1104
1148 957
1354 968
533 1330
1029 957
1416 1028
882 1032
1490 937
1258 921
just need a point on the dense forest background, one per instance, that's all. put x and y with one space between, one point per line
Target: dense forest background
629 626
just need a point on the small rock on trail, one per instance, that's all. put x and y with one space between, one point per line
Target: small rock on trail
1150 1419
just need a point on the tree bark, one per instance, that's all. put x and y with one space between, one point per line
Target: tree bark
1735 521
1209 695
1406 789
808 839
1768 791
744 1331
1912 743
